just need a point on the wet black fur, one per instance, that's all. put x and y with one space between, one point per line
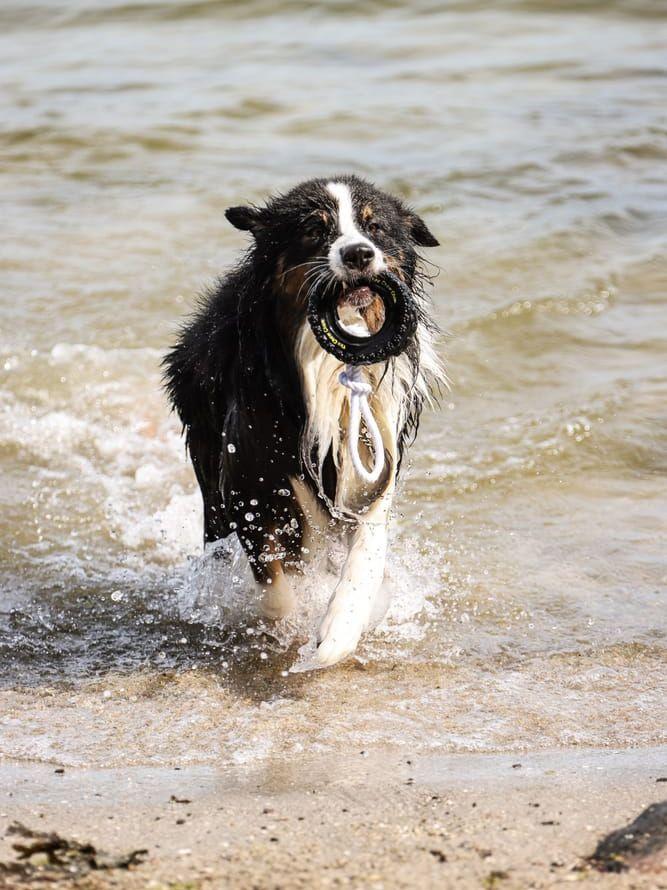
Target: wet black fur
232 375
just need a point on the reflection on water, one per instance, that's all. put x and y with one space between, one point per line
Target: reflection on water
528 564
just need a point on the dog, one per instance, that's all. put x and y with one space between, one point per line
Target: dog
263 411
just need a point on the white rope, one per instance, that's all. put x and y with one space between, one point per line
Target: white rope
359 392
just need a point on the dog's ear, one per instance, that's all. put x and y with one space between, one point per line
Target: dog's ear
419 231
248 219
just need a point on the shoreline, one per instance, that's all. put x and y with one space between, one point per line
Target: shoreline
364 819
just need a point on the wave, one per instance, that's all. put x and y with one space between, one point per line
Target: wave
51 14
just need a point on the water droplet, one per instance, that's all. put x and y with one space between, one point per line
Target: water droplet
231 448
254 502
249 517
283 492
117 596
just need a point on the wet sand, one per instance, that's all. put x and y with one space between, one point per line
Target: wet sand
361 820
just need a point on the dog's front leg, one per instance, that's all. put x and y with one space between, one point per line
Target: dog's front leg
272 548
277 594
351 605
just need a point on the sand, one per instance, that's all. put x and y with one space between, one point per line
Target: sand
364 820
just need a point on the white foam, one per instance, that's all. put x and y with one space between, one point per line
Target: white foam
104 455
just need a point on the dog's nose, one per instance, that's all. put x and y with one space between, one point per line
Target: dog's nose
357 256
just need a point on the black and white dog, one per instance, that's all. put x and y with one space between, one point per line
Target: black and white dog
265 415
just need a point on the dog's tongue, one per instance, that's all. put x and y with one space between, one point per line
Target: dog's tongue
359 297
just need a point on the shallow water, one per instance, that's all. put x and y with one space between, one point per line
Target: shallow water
528 567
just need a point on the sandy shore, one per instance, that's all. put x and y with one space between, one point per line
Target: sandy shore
482 821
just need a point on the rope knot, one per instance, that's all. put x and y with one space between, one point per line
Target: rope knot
351 378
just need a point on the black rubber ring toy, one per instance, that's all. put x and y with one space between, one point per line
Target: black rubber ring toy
400 322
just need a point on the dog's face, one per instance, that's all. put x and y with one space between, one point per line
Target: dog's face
341 232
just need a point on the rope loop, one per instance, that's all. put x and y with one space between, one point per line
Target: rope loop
359 389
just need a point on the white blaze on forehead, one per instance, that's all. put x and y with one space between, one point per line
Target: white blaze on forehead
346 223
349 233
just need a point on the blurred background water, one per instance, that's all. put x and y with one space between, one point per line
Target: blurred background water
528 569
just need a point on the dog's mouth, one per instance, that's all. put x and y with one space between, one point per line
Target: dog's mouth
360 309
358 297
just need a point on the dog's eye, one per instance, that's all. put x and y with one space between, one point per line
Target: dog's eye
374 228
313 231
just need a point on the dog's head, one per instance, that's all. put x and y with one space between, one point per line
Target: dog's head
338 232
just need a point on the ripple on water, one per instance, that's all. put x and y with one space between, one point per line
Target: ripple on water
527 564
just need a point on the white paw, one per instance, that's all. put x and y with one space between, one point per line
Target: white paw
339 635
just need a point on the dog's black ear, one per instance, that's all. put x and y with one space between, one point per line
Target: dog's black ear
420 232
248 219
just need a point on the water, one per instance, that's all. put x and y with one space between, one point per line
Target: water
528 565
